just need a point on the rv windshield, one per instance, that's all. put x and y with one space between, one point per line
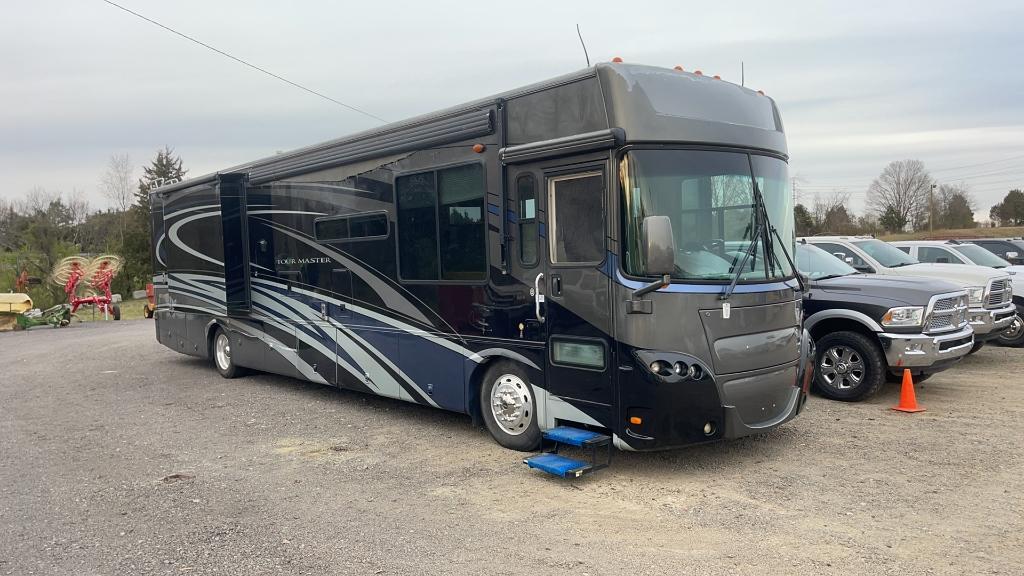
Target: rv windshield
709 197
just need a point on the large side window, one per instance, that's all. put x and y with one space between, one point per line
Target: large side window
576 206
441 225
366 226
526 190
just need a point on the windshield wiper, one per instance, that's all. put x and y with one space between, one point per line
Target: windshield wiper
902 264
746 256
831 276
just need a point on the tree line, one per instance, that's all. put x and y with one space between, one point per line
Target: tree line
904 197
45 226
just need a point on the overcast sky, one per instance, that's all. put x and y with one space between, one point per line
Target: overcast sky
858 83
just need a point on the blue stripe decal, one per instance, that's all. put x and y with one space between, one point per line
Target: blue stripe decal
542 230
511 217
494 209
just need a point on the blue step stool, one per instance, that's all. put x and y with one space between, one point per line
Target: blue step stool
550 461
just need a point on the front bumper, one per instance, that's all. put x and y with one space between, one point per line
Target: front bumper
671 411
987 324
926 351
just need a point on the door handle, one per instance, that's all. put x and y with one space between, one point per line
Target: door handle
556 284
538 298
323 310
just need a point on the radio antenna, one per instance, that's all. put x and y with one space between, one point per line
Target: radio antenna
743 74
584 44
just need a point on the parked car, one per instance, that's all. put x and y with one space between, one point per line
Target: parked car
1011 249
870 326
955 252
989 291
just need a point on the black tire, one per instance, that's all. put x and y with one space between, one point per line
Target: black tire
223 362
1013 336
857 368
977 346
115 312
520 431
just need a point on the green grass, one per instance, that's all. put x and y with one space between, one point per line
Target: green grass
130 310
1003 232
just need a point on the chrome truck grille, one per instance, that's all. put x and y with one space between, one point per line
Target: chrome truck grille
999 293
946 312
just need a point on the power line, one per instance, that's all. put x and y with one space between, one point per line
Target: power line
978 164
240 61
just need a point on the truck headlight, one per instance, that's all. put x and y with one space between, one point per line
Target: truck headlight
904 316
976 295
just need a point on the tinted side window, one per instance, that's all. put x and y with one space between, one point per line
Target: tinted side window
526 189
904 249
352 227
461 223
577 216
939 255
442 232
417 226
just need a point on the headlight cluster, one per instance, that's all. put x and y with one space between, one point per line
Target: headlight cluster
976 295
904 316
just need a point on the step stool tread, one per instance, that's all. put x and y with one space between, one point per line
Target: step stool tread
574 436
558 465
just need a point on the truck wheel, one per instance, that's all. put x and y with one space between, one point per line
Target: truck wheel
849 367
1014 335
509 406
220 350
977 346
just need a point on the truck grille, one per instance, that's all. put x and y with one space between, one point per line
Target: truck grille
947 312
999 293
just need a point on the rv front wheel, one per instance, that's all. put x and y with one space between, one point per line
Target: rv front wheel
509 406
221 352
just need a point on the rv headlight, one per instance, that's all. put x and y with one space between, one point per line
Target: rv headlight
904 316
976 295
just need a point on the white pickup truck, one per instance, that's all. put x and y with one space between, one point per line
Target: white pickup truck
954 252
991 308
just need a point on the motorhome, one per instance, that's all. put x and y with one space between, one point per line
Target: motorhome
609 250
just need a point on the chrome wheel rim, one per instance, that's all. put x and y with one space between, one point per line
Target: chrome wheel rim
1014 330
511 404
222 351
842 367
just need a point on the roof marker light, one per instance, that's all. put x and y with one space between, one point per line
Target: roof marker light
717 77
698 72
680 68
761 92
617 60
479 148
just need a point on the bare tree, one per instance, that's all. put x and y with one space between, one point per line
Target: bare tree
118 185
78 208
825 207
900 192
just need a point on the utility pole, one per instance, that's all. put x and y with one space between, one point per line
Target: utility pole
931 209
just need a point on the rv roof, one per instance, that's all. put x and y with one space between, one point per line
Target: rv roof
712 111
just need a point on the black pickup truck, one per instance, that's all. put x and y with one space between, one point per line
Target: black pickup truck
869 327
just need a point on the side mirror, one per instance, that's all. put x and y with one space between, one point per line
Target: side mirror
1012 254
848 259
659 245
864 268
840 255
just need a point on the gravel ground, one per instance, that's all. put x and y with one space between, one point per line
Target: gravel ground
122 457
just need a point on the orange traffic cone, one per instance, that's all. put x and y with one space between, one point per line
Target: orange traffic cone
908 400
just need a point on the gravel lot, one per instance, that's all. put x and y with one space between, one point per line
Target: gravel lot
118 456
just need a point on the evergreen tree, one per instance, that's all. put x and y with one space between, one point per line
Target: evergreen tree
166 167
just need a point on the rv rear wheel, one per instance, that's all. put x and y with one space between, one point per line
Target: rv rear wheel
116 312
849 366
509 406
220 350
